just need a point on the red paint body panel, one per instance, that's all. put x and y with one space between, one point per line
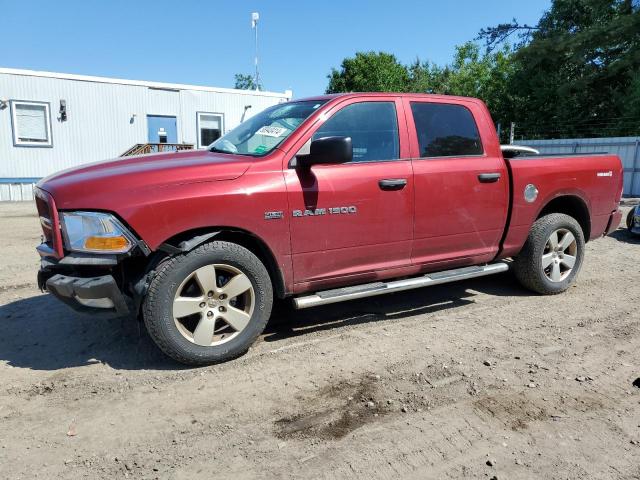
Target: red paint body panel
443 217
377 236
561 176
47 210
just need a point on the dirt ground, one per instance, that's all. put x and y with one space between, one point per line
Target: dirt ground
478 379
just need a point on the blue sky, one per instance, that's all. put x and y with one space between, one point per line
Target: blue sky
205 42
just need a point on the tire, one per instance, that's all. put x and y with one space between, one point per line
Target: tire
630 216
528 265
177 288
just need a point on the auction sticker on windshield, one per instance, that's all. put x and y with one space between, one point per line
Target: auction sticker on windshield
270 131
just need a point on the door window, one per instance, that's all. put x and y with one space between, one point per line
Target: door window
445 130
372 126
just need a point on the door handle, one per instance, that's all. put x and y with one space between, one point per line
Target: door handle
489 177
393 183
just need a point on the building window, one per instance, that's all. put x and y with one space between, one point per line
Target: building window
210 128
31 124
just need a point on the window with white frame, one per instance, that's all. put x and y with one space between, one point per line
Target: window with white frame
31 124
210 128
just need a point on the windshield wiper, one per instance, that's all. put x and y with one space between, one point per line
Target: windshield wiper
218 150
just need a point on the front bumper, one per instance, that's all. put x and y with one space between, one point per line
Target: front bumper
84 283
86 294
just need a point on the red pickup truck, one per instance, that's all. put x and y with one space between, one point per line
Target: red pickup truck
323 200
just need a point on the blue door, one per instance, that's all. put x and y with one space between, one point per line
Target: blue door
162 129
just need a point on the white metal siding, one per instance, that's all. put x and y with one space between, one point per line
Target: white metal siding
16 192
627 148
105 118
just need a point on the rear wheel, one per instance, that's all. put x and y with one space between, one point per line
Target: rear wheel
208 305
552 255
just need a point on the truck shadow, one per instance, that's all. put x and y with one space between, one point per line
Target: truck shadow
286 322
624 235
40 333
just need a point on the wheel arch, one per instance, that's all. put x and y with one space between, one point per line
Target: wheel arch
571 205
189 239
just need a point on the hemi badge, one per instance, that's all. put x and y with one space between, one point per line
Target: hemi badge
272 215
605 174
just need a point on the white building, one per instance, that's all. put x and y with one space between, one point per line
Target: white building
53 121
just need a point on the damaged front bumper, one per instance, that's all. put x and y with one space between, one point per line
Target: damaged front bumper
83 294
85 283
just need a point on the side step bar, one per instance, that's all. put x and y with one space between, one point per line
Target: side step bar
380 288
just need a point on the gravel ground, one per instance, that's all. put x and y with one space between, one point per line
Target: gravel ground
478 379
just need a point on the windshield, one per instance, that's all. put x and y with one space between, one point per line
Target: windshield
265 131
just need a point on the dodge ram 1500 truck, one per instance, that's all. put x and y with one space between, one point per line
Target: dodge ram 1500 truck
323 200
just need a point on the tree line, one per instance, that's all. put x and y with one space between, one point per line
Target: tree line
576 73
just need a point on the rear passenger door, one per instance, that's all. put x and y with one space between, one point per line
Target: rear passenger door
461 182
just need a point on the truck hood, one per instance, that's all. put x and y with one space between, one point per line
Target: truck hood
87 186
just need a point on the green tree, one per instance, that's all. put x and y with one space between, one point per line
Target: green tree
369 72
471 73
246 82
486 76
576 74
427 77
631 107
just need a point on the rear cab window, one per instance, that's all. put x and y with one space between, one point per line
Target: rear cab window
446 130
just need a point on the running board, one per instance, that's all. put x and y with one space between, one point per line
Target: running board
380 288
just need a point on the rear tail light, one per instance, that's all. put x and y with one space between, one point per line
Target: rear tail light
621 185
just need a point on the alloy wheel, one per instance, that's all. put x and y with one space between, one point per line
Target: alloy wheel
559 256
213 304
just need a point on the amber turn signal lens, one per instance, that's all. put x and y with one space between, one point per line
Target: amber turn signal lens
106 243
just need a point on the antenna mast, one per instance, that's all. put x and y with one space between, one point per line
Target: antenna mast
255 16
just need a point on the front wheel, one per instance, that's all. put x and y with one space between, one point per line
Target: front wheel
209 305
552 255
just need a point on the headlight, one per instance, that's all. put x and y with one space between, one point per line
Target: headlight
95 232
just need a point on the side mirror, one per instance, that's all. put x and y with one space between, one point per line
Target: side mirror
326 150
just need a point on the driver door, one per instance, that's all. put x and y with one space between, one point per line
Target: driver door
353 222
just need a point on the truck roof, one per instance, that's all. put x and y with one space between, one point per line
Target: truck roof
332 96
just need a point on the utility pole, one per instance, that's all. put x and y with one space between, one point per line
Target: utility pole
512 134
255 16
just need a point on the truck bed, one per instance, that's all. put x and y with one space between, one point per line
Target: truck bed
594 179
